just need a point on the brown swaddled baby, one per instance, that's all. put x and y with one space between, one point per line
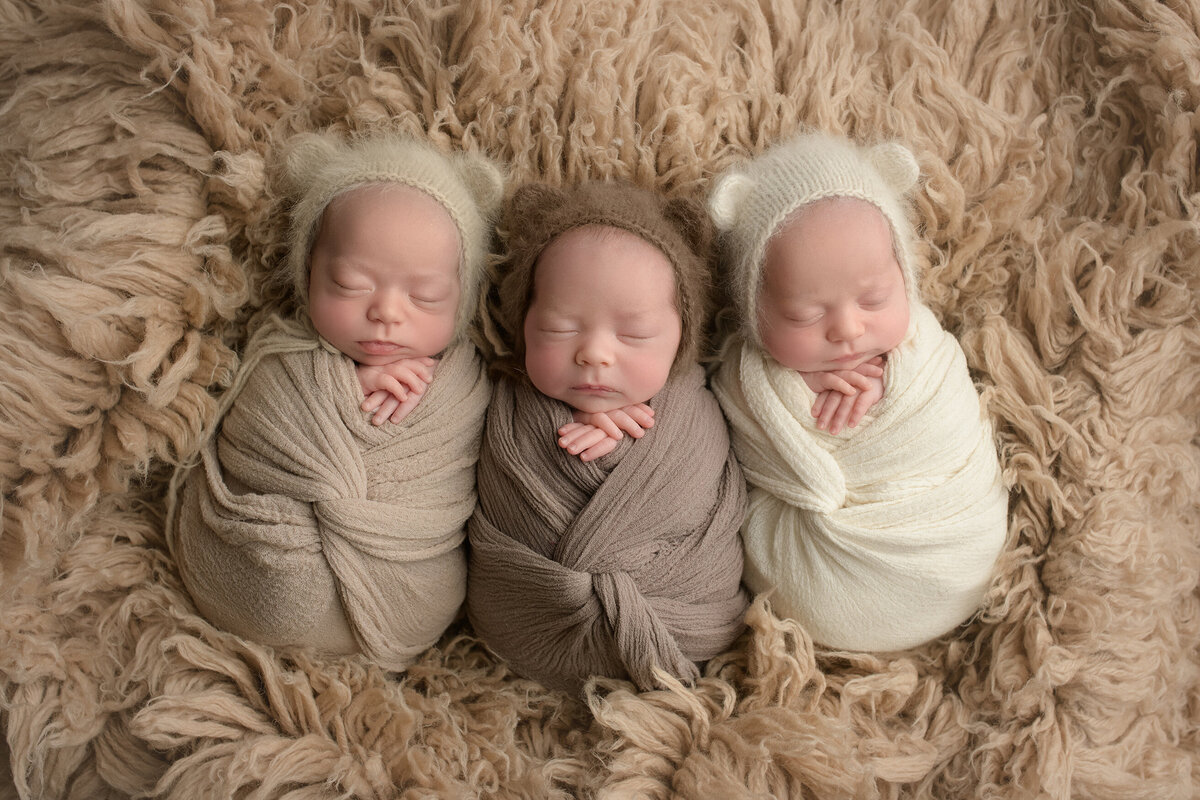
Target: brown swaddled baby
593 552
327 509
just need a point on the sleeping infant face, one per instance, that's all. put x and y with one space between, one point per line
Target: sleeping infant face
833 295
602 328
383 274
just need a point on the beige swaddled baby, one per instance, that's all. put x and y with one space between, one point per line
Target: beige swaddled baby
876 504
328 507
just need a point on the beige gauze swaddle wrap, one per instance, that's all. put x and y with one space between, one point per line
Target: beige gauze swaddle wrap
304 524
884 536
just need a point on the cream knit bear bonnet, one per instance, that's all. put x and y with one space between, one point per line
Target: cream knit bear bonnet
320 166
750 204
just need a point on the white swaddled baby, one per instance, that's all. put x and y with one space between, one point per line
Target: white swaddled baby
877 509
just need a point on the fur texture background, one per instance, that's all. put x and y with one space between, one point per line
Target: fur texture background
139 230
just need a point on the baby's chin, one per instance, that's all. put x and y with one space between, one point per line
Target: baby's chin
600 405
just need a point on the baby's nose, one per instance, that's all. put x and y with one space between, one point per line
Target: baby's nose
594 350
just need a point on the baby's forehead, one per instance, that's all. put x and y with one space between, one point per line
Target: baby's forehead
597 243
840 207
599 235
603 265
399 194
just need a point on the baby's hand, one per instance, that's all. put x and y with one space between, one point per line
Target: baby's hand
593 435
393 390
845 396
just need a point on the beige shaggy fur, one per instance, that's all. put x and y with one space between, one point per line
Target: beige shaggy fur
139 229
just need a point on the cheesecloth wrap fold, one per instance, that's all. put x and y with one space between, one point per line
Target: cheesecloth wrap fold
304 524
883 537
611 567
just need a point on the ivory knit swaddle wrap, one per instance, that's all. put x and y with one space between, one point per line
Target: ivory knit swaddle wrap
883 537
305 524
610 567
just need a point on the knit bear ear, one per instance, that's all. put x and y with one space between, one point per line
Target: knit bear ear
688 217
304 155
896 164
484 180
728 195
529 202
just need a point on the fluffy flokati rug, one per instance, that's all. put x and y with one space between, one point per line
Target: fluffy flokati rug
140 229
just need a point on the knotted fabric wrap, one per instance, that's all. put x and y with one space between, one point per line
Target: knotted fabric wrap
304 524
883 537
611 567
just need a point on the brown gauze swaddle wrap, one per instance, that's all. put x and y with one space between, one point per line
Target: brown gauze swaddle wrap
305 524
628 563
611 567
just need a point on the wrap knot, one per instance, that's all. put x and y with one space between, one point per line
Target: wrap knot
642 640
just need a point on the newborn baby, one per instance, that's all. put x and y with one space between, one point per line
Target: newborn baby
876 506
592 552
328 507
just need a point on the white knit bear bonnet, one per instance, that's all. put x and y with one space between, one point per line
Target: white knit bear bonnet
320 166
751 202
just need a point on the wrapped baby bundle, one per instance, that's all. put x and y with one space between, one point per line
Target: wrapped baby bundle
631 562
884 536
303 523
306 524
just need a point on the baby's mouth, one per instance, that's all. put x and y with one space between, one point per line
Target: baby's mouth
593 388
379 347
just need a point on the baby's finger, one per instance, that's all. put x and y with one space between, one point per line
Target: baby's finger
625 422
410 378
604 422
581 440
571 432
372 401
838 423
642 414
870 369
422 371
402 410
394 387
832 403
861 404
840 383
822 398
571 426
860 382
386 408
601 448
